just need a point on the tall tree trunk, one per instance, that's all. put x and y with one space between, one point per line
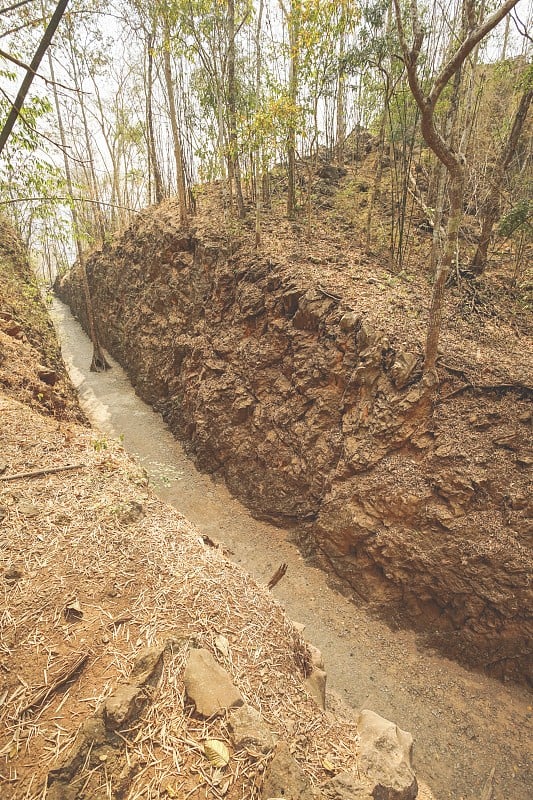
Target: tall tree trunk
293 22
152 153
450 125
233 158
456 191
258 165
491 206
340 133
93 183
176 139
98 363
376 189
30 73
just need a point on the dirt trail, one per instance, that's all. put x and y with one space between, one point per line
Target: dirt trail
463 723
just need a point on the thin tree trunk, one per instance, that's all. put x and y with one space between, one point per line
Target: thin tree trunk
92 180
98 363
233 156
30 73
491 206
379 172
340 133
258 166
152 153
293 22
176 139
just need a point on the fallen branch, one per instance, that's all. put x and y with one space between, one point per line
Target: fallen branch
62 676
328 294
277 576
46 471
487 792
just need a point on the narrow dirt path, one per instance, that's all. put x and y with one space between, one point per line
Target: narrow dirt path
463 723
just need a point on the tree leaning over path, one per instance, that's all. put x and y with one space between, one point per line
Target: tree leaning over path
30 73
454 162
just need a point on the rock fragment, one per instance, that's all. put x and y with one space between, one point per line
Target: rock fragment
47 375
284 778
346 786
385 756
315 685
123 706
249 731
208 685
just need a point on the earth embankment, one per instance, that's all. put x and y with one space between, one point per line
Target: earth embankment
295 374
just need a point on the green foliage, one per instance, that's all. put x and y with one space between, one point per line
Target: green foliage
25 167
518 219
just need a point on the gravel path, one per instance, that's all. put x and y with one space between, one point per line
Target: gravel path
463 723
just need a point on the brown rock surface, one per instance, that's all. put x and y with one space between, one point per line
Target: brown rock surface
313 410
208 685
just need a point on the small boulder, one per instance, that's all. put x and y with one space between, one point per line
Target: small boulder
402 369
330 172
316 656
346 786
284 778
123 706
385 757
47 375
208 685
315 685
349 322
249 731
147 666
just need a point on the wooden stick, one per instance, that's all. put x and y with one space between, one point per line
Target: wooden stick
488 790
64 674
44 471
277 576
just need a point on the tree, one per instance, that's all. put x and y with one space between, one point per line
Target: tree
427 96
491 206
31 71
99 362
176 134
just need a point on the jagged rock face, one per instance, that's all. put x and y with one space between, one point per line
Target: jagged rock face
312 415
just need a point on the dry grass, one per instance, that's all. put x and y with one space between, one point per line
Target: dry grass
141 575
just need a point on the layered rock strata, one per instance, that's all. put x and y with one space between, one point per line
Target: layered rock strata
315 415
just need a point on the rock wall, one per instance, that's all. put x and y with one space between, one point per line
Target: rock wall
314 416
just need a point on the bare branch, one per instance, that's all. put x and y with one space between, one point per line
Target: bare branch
466 48
15 5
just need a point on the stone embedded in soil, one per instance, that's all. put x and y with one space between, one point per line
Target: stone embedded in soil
46 375
316 656
403 367
385 757
13 574
285 778
123 706
346 786
147 666
249 730
208 685
28 510
315 685
91 735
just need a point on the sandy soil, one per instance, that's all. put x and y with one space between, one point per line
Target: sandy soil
463 723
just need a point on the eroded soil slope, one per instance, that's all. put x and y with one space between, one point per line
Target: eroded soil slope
295 373
31 367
